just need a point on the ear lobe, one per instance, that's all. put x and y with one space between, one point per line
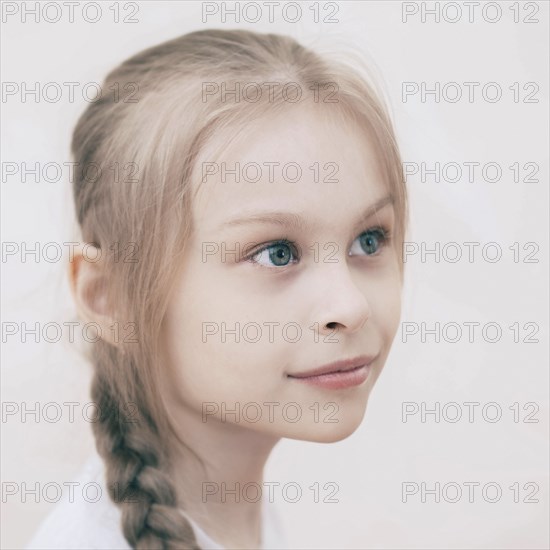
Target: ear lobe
89 288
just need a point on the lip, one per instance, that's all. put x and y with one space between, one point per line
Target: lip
338 375
337 366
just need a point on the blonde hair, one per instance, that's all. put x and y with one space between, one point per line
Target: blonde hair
161 134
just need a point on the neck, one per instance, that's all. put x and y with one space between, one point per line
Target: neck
218 476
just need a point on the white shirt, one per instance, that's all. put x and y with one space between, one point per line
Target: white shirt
89 519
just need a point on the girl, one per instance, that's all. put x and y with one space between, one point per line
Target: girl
243 210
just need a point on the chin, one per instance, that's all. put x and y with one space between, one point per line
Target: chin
327 432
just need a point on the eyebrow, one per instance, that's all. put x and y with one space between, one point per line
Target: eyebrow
296 222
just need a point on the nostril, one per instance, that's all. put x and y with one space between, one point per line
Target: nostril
332 325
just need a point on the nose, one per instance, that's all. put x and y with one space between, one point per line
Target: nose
344 306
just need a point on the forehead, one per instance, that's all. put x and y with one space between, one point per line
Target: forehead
306 159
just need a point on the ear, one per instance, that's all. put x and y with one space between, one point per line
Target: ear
88 285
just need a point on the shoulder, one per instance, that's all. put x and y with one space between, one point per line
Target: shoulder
86 517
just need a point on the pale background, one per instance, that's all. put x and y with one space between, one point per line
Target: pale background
371 465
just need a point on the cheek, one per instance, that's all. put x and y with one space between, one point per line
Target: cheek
385 302
210 334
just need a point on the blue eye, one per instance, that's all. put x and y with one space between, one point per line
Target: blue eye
284 252
278 254
370 242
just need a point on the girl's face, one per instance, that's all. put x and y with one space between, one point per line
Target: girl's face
284 275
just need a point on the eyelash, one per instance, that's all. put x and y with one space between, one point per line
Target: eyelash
382 233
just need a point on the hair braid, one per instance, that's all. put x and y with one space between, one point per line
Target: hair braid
136 482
